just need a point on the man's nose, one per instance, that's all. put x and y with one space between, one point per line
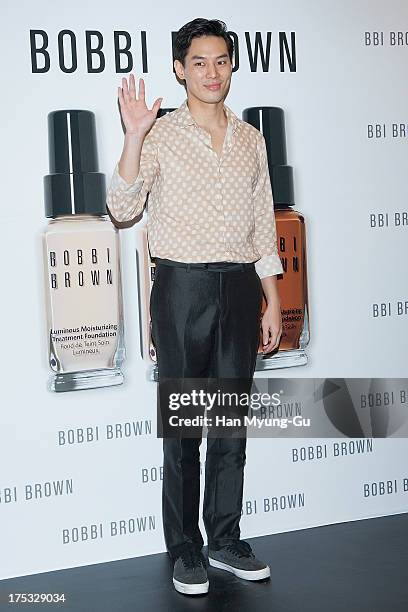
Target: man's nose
212 71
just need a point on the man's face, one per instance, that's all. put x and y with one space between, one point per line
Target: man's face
207 69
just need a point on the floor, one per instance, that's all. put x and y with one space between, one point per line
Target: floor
360 566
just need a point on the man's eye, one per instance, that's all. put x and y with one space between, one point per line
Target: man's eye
201 63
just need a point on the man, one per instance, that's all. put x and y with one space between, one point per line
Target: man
212 235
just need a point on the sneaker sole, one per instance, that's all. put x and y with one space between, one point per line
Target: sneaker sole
191 589
265 572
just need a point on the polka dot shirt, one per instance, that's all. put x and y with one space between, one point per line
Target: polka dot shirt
201 207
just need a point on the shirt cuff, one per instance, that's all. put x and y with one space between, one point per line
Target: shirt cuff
269 265
119 183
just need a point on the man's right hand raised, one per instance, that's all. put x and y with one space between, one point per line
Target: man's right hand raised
137 118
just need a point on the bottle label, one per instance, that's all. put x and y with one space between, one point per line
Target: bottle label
84 299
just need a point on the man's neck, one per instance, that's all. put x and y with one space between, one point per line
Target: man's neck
208 116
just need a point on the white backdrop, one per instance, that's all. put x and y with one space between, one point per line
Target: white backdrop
340 87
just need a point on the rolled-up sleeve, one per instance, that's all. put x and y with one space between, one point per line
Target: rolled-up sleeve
126 201
265 239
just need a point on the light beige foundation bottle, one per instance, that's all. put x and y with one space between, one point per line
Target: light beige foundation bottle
81 250
145 277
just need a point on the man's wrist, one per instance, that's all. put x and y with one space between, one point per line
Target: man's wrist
134 137
270 289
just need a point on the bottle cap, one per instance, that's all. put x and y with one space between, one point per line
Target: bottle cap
164 111
74 185
270 121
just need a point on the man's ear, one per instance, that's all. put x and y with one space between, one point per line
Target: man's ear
178 68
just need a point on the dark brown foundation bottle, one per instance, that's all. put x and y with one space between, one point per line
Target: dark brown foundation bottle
291 238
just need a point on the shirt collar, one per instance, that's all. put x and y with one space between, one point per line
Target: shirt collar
185 118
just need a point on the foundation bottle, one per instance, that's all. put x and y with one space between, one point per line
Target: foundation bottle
291 240
145 278
81 251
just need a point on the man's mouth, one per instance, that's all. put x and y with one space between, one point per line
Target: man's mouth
213 86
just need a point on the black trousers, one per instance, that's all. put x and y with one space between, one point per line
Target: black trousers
205 323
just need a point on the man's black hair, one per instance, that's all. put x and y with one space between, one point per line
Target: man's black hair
196 28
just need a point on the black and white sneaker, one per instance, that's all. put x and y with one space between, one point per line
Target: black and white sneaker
190 573
239 559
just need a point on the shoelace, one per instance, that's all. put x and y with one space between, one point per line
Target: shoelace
192 559
240 548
